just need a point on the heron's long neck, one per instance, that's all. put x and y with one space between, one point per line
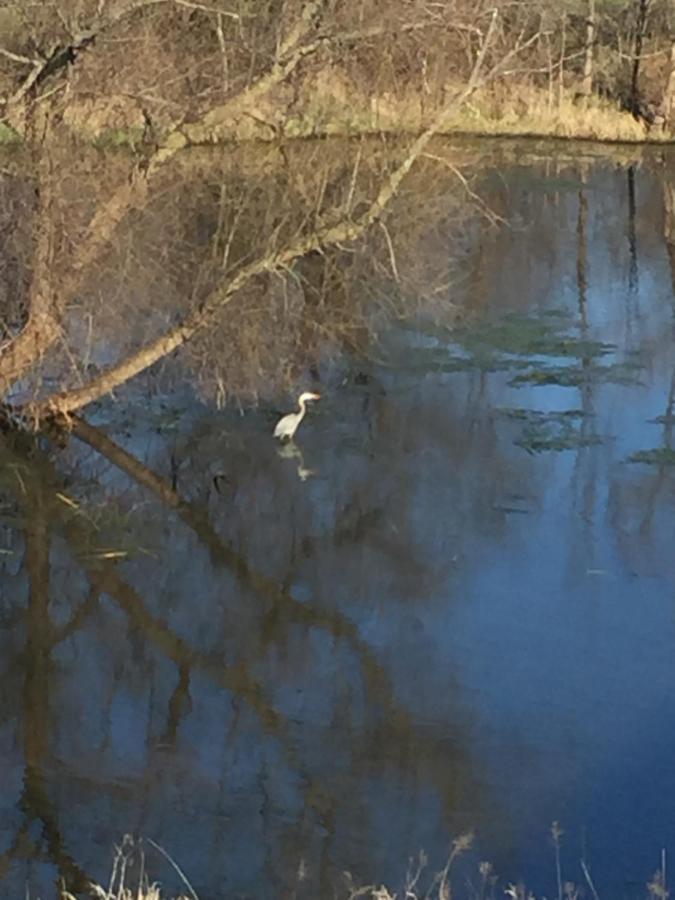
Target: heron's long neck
303 408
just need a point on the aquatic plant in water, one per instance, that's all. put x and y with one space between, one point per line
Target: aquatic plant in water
549 349
551 430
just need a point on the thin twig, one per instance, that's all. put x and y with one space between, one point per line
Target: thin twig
175 865
589 880
392 255
556 834
489 213
16 57
223 51
209 9
352 186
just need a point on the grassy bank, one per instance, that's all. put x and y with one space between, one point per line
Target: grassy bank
338 110
536 116
529 112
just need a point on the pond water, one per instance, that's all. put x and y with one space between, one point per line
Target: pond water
450 606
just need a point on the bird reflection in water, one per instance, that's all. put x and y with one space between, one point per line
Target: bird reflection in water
290 450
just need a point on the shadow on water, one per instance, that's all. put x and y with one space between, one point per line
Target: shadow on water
446 605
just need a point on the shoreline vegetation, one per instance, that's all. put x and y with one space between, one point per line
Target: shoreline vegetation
478 880
530 114
142 73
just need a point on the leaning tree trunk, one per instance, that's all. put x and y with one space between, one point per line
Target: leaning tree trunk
668 102
640 29
587 80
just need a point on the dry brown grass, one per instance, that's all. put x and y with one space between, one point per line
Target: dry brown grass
419 883
533 112
514 110
123 885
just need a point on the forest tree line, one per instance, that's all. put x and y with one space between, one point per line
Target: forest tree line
150 64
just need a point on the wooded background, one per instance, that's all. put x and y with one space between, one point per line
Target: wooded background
101 65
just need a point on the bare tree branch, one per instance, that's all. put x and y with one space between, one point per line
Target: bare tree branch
190 4
62 55
16 57
40 331
346 230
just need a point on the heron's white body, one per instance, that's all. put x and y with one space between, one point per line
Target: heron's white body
288 425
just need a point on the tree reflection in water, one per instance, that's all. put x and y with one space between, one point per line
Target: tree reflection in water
293 674
247 672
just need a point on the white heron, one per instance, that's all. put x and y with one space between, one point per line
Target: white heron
288 425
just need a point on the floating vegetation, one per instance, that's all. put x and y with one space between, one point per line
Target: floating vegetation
578 376
548 349
488 362
519 335
658 456
422 360
537 441
553 431
539 415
